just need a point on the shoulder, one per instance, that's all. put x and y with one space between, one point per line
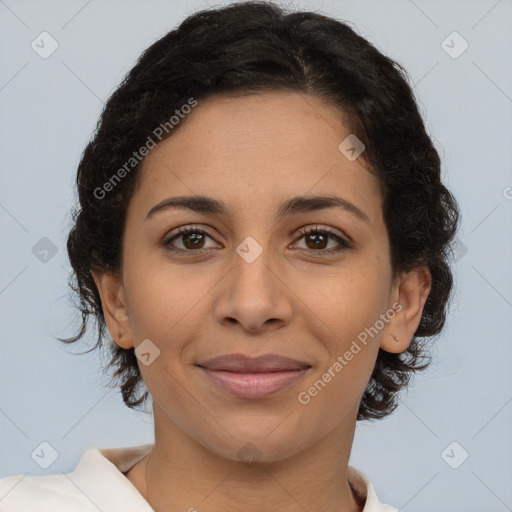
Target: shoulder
365 492
41 493
96 483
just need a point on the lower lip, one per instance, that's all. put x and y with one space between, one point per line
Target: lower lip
253 385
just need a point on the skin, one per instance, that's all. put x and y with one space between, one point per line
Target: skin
252 153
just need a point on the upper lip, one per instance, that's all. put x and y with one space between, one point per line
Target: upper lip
245 364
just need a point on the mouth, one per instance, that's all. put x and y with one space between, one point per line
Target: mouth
251 378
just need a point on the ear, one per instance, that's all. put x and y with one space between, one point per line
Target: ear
410 292
113 302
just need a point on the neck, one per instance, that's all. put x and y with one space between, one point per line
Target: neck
181 474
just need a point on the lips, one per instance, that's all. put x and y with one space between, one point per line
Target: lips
262 364
253 377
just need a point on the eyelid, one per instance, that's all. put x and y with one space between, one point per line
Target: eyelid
186 229
344 241
307 228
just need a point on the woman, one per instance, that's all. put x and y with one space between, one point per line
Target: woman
264 233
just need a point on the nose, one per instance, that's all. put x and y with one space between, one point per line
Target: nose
254 294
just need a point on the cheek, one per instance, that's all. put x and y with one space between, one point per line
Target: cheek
337 388
346 309
348 314
347 301
164 299
166 306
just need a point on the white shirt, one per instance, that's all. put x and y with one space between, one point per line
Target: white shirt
98 483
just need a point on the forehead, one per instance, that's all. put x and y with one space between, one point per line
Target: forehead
253 151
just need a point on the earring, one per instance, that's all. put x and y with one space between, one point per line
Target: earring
396 337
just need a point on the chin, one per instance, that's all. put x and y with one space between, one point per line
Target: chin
255 445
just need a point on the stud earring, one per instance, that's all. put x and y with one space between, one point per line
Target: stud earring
397 338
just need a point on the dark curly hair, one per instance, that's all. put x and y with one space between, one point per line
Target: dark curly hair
247 48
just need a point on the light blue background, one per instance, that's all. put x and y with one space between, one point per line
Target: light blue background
49 109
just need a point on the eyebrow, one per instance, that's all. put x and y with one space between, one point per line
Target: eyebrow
293 206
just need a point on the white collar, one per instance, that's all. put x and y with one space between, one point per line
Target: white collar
98 482
125 458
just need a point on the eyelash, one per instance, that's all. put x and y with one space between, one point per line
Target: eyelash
304 232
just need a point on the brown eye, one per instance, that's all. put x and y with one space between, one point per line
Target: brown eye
317 239
192 239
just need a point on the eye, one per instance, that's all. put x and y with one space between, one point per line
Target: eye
320 236
192 237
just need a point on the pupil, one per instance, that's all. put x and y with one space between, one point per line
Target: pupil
196 238
317 238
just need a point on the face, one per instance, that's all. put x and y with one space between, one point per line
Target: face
252 280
